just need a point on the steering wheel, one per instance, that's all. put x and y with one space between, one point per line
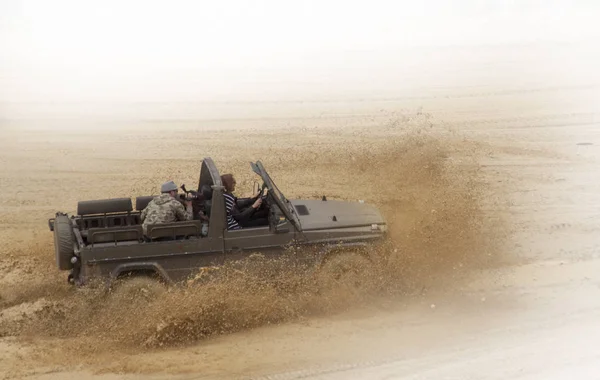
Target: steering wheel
261 192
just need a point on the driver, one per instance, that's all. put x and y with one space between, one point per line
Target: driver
242 213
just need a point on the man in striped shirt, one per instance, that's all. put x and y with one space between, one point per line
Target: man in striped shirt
245 213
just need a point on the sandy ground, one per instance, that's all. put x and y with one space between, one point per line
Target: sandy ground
493 199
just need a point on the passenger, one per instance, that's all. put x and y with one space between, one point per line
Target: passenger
245 213
165 208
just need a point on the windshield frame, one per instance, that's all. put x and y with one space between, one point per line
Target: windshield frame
284 204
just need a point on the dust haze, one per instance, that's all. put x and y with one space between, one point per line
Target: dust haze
473 127
105 58
426 178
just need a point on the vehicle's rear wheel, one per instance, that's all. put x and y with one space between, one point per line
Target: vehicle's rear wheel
346 271
63 242
137 287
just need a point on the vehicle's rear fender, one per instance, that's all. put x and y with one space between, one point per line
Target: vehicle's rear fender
140 267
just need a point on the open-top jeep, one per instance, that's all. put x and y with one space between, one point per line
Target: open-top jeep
105 239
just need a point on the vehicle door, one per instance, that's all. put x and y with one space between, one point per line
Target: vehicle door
268 240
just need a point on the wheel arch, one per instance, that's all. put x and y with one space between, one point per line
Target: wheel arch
140 268
332 250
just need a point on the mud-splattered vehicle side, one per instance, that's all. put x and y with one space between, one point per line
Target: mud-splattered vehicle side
105 238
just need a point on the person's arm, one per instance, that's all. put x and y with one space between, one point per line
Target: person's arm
245 203
231 207
181 213
248 201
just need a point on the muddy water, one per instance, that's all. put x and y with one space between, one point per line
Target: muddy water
535 319
428 183
493 206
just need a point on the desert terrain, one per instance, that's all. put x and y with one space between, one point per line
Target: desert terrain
489 182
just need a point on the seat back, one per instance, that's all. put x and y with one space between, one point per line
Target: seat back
107 221
104 206
175 230
207 194
104 213
115 234
142 202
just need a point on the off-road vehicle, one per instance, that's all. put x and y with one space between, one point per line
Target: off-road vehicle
106 240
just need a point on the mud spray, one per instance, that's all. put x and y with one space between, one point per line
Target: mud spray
430 187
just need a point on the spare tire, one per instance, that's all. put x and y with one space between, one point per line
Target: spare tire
63 242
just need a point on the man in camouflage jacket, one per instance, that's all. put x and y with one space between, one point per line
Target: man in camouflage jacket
165 208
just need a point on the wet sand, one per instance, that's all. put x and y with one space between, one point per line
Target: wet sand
530 311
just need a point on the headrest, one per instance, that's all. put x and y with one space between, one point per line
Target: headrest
142 202
104 206
206 192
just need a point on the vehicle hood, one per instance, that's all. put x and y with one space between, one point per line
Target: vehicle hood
318 214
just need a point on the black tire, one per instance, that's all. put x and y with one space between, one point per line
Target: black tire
63 242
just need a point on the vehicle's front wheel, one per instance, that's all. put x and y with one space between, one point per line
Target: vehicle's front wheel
346 271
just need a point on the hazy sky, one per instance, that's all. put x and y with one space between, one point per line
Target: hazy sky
87 50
